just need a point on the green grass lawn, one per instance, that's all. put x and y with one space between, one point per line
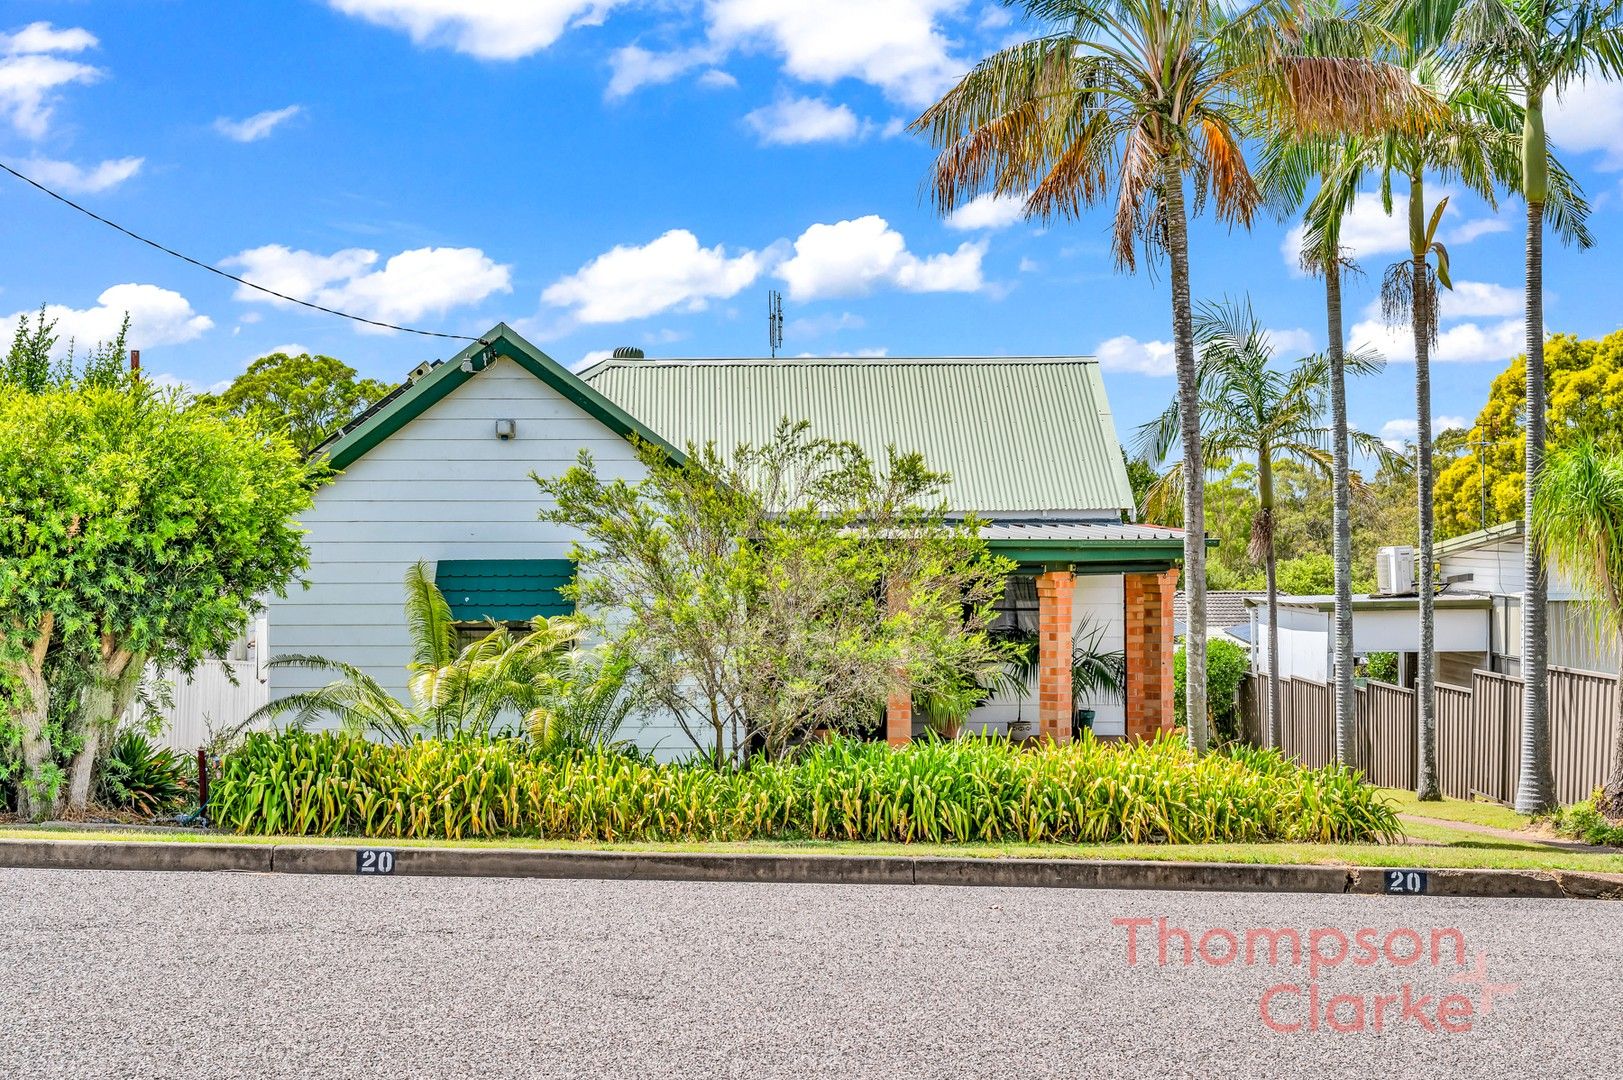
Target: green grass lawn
1475 812
1428 846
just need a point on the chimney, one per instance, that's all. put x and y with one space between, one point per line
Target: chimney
135 364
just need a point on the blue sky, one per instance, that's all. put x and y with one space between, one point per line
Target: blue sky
637 172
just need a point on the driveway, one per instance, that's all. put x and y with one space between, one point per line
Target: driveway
227 975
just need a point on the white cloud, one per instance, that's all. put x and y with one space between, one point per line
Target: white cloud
42 37
634 67
895 45
671 272
849 258
717 79
1126 353
1469 299
165 381
31 69
67 176
257 126
410 285
1292 343
1589 117
487 29
1462 343
819 325
1395 433
157 317
595 356
988 211
1368 230
789 121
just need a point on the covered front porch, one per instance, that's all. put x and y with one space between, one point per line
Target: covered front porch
1080 584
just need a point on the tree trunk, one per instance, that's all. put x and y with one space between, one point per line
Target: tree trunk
104 702
36 793
1535 788
1346 701
1611 803
1270 564
1194 472
1426 674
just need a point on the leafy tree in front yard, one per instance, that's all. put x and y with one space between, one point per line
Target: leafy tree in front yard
785 587
134 529
307 397
1226 666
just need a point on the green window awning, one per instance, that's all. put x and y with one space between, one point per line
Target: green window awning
504 590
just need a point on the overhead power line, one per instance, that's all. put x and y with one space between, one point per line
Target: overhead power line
230 276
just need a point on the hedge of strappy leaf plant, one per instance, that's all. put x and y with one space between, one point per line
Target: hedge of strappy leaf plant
965 790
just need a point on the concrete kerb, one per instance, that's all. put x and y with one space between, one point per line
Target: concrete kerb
791 868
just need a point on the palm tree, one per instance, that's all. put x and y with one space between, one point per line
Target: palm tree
1152 100
1288 165
1251 408
1471 137
454 689
1577 523
1534 49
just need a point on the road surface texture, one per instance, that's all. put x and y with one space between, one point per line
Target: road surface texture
240 975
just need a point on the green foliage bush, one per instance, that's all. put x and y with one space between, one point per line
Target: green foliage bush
1226 665
141 777
977 789
1584 821
1382 666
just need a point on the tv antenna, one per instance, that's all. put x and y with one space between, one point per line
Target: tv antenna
774 321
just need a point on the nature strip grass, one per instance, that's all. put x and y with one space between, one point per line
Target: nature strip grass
972 790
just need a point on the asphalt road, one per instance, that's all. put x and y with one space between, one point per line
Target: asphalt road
228 975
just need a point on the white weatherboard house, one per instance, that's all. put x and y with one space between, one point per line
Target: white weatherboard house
441 471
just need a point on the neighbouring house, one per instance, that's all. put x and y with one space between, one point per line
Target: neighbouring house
1477 618
1227 615
441 471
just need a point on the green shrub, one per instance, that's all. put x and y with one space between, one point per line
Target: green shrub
1226 666
1382 666
977 789
141 777
1584 821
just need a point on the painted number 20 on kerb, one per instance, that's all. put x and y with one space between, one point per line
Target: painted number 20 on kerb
374 861
1405 882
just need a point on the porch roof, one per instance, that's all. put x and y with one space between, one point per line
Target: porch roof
1088 547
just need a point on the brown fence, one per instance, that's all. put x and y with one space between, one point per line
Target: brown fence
1478 731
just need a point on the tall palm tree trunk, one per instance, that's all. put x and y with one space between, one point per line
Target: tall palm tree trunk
1612 793
1263 536
1535 790
1426 674
1346 704
1194 472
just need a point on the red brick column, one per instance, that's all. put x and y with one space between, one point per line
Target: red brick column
899 706
1056 595
1150 646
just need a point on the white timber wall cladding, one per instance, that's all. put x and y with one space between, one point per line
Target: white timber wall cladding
1098 605
442 487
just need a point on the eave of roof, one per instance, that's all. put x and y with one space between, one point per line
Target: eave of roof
501 341
1493 534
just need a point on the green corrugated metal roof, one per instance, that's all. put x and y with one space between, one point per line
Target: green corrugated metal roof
1017 434
504 590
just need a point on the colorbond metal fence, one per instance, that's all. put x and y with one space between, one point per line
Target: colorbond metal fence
1478 731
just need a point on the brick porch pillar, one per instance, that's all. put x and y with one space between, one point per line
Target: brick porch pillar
899 705
1056 595
1150 644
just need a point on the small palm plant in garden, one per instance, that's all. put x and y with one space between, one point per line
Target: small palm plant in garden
1578 526
455 690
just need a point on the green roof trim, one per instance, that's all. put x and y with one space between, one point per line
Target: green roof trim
1095 556
501 341
504 590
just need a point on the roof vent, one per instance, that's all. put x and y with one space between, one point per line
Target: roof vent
419 371
628 352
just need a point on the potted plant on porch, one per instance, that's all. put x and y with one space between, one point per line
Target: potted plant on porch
1097 675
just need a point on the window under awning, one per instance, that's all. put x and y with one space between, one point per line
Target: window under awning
504 590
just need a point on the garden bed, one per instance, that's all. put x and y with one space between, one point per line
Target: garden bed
970 790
